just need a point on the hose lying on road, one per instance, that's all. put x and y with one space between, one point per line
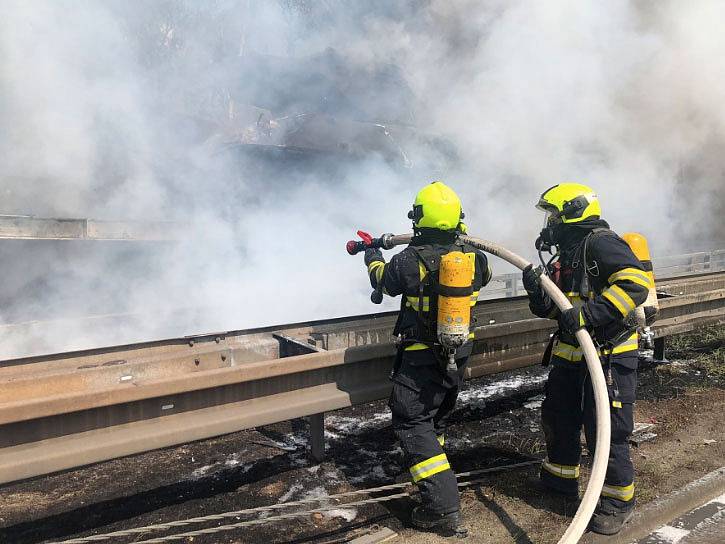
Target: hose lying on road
601 455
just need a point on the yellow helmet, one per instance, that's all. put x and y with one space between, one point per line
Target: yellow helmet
569 202
436 206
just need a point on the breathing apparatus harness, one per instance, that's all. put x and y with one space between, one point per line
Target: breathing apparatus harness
590 270
428 330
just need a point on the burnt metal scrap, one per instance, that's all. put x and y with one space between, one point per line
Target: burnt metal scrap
322 106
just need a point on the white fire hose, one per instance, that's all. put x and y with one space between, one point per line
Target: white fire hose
601 398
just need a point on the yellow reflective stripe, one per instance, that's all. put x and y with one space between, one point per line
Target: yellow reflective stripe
621 300
474 298
378 267
646 283
441 440
575 354
429 467
634 275
630 344
562 471
616 404
416 347
422 272
621 492
568 352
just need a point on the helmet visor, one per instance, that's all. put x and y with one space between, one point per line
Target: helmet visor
551 218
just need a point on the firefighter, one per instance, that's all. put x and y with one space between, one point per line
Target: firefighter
424 392
604 282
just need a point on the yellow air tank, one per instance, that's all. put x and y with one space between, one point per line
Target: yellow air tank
455 278
638 244
646 313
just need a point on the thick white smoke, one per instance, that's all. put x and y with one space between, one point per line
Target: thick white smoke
106 106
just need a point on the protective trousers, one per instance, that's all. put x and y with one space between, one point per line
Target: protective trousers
568 405
422 399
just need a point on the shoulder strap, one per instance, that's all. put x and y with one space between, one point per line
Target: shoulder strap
590 270
430 260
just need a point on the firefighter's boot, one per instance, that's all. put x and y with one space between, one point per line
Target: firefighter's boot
544 487
448 524
609 519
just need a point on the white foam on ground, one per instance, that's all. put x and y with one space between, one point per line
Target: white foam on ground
295 488
499 387
375 472
201 471
337 425
348 514
670 535
319 492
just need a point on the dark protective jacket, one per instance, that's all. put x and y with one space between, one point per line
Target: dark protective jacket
614 284
405 272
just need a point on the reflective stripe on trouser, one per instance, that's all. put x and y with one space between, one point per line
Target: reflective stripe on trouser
421 400
568 405
624 493
429 467
561 471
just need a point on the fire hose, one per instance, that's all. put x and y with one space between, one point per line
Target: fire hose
601 398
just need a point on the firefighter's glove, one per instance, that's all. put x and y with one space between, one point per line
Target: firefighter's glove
531 279
372 255
572 320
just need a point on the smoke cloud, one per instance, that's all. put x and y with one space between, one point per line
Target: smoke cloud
272 131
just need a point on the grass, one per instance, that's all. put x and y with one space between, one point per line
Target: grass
704 349
698 341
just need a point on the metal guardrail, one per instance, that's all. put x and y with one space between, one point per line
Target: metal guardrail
68 410
27 227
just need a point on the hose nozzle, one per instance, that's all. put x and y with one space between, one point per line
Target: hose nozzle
354 247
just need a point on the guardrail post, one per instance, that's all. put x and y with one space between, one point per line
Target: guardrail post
510 286
659 351
317 437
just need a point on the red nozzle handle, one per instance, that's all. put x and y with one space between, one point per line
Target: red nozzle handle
365 237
